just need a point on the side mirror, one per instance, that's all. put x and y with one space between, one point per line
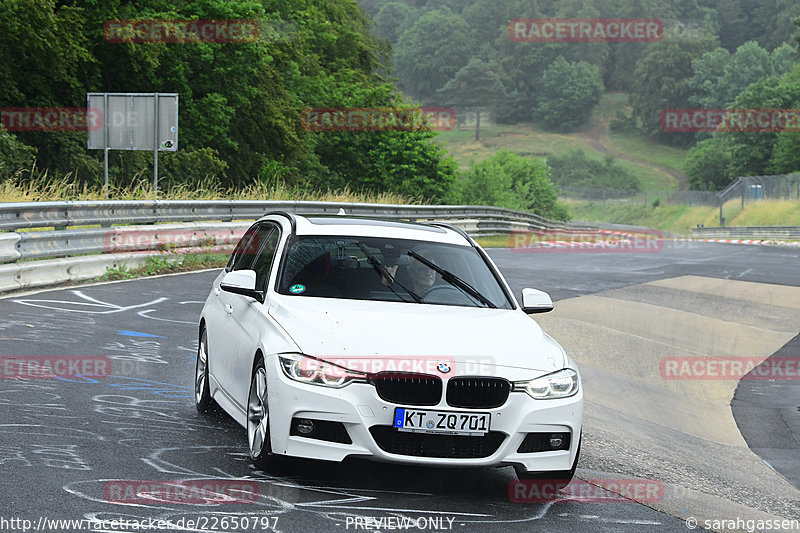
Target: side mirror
242 282
535 301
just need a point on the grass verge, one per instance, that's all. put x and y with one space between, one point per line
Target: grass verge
32 185
493 241
167 264
681 219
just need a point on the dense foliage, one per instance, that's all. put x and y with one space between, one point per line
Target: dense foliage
509 180
574 169
240 102
712 52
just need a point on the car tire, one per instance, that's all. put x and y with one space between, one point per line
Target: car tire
258 440
202 394
560 475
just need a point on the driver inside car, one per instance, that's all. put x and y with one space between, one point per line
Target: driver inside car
421 276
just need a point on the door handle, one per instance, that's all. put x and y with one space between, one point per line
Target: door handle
228 308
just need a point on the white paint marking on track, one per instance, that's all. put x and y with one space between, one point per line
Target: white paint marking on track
89 302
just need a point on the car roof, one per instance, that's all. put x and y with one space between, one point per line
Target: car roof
342 225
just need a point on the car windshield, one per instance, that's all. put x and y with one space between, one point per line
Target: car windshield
370 268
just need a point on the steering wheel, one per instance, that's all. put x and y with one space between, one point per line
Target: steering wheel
445 294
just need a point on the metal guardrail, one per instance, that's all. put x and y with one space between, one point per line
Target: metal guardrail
126 233
14 216
182 223
771 233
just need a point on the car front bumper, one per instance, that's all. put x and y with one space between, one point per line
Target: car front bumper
358 408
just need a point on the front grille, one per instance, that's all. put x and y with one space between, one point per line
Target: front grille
408 388
445 446
477 392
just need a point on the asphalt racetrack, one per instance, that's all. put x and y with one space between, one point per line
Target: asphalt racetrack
69 448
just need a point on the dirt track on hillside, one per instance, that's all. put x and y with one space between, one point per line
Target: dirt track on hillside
594 137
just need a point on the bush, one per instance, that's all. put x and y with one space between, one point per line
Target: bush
14 155
569 92
574 169
194 169
707 165
512 181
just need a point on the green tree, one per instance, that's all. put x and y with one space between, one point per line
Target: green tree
240 103
410 163
661 81
774 20
575 169
14 155
569 92
718 76
432 51
736 25
509 180
783 58
476 86
785 157
488 19
523 64
393 19
707 164
708 76
752 152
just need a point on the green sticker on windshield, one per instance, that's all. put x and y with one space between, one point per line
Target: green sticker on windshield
297 289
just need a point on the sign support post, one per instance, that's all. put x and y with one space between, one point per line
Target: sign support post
155 145
105 147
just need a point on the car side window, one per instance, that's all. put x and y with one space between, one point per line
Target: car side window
268 236
245 251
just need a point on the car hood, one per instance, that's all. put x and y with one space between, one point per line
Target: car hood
469 340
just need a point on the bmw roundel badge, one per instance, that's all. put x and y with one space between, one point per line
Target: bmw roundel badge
444 368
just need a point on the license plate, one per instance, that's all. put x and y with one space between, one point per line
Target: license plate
442 422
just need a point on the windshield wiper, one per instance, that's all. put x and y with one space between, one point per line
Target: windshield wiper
453 280
386 276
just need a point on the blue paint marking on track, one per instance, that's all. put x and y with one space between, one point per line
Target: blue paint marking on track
137 334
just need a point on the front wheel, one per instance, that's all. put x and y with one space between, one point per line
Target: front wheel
202 393
258 416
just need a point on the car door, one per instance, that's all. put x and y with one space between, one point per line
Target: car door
223 332
219 306
246 317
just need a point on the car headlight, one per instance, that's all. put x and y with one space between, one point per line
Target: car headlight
305 369
561 384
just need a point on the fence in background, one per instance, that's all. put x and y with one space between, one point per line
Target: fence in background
762 233
748 189
644 198
755 188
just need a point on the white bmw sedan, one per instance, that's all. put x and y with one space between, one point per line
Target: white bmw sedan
329 337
